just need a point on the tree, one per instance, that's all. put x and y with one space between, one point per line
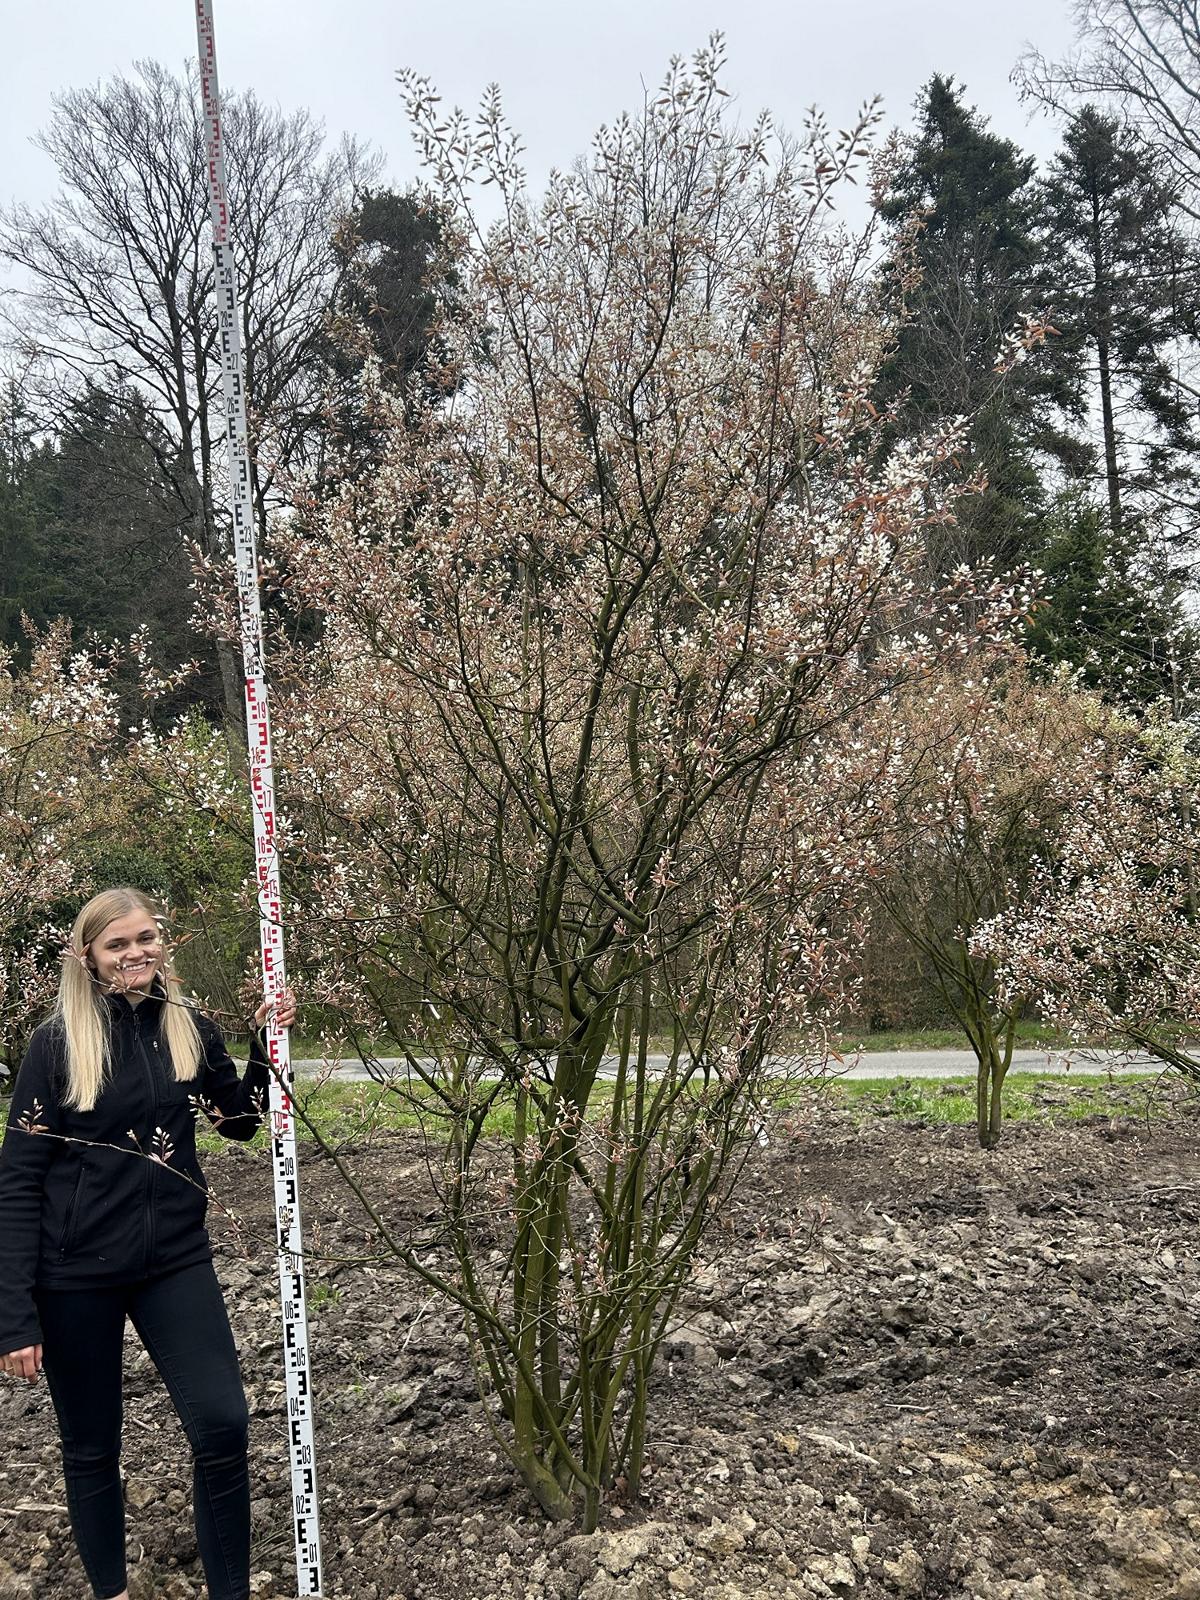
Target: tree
90 532
31 579
395 281
1121 260
1112 609
987 772
397 278
118 277
1141 60
574 765
108 527
979 264
1143 57
1108 942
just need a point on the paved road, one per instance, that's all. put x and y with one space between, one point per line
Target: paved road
873 1064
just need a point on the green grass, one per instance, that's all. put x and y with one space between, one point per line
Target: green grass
349 1112
1031 1035
1028 1097
345 1113
341 1113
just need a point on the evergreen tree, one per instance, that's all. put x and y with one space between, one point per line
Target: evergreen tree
1125 278
91 528
980 264
1110 610
31 578
395 274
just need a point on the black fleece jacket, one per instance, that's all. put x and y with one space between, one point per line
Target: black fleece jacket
113 1195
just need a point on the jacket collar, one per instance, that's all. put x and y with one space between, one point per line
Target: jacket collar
121 1011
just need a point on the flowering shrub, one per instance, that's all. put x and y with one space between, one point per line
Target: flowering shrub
88 801
57 719
1107 942
580 767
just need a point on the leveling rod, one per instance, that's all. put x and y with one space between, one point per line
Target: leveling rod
305 1515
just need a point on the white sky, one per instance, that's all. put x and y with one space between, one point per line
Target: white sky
562 68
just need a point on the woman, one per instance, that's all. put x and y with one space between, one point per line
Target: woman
102 1206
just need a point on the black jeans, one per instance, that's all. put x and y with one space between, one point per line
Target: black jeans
181 1320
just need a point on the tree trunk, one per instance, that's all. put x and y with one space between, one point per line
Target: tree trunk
1103 331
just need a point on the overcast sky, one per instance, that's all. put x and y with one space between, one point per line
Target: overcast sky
562 68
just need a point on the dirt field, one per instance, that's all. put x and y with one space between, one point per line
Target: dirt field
908 1369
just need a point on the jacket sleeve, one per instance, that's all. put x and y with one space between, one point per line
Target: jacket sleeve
234 1105
32 1142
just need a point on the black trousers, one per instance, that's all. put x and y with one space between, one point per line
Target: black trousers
181 1320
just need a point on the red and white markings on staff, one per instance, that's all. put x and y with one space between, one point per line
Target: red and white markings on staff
262 786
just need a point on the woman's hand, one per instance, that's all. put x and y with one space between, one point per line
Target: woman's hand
285 1010
26 1363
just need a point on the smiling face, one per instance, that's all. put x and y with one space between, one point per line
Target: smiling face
126 954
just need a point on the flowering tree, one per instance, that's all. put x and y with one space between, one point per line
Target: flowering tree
88 800
1107 942
574 771
56 716
988 776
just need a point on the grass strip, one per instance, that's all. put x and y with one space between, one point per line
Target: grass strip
349 1113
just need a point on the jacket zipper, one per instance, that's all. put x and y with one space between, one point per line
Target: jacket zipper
64 1242
148 1240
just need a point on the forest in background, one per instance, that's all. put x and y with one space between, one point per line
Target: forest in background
1053 309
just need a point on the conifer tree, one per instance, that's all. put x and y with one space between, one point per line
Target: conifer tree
980 262
1125 277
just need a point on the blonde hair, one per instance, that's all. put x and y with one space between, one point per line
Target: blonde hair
83 1018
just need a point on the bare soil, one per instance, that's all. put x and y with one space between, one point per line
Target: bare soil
906 1368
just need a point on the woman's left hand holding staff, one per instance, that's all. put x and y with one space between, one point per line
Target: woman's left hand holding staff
285 1010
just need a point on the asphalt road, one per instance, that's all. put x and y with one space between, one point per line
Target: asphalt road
872 1064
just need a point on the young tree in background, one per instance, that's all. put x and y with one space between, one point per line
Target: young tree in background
1107 943
987 772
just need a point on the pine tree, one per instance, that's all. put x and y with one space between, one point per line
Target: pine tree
980 263
395 274
91 529
1125 278
1109 609
33 575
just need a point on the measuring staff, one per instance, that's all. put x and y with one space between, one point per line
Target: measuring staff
305 1517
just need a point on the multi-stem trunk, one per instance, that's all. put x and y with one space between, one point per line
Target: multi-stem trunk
992 1043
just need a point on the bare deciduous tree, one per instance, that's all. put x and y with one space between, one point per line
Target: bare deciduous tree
115 275
1143 56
